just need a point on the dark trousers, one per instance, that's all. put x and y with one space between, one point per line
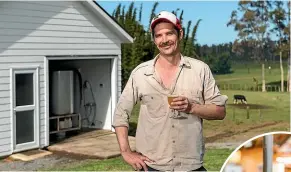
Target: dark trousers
152 169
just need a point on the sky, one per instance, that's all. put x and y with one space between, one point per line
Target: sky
214 14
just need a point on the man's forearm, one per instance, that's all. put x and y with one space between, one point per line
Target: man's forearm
122 137
209 111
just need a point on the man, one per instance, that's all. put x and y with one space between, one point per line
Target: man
168 137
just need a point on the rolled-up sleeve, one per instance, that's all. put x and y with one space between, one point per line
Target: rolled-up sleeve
125 104
212 94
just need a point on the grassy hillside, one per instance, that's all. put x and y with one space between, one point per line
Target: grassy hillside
244 74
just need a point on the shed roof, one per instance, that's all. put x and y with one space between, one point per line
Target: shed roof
110 21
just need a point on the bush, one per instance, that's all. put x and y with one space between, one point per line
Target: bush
219 64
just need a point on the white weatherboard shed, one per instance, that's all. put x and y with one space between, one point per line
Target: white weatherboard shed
34 35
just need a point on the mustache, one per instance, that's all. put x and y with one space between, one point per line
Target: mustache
163 44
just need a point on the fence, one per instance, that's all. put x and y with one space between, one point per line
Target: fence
245 87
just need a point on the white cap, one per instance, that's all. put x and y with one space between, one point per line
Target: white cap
168 17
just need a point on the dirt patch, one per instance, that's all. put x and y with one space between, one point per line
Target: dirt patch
234 135
244 136
250 106
77 156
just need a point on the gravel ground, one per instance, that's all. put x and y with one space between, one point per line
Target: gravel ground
46 162
232 145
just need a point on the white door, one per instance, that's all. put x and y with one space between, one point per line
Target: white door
25 108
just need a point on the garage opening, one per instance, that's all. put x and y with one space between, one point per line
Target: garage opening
79 96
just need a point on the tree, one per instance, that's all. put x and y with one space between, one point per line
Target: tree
287 31
222 64
193 39
279 19
250 20
140 13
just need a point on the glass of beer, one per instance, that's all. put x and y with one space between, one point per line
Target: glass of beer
174 113
171 98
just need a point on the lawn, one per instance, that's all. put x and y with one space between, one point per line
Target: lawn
279 104
277 117
214 159
244 73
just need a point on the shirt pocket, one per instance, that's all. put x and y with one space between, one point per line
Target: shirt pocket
155 105
196 96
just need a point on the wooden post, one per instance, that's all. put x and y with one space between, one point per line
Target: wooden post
259 88
248 112
233 113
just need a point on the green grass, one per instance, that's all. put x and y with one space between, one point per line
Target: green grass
241 74
213 160
279 102
280 112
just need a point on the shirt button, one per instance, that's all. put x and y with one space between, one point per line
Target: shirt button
173 141
174 156
173 126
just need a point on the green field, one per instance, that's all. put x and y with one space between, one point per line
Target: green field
243 74
236 118
277 102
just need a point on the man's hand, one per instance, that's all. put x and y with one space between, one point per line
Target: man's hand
209 111
136 160
181 104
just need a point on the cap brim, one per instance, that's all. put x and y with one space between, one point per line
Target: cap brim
160 20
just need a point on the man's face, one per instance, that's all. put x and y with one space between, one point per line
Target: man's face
166 38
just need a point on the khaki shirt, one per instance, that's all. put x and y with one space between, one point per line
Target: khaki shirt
174 144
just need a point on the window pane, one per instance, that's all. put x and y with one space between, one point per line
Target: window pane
24 89
24 126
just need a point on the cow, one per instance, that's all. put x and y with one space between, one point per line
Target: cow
242 98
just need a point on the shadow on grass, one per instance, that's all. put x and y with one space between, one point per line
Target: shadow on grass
225 73
277 83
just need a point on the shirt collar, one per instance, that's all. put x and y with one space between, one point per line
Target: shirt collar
151 67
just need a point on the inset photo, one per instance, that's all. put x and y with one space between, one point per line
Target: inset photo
269 152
